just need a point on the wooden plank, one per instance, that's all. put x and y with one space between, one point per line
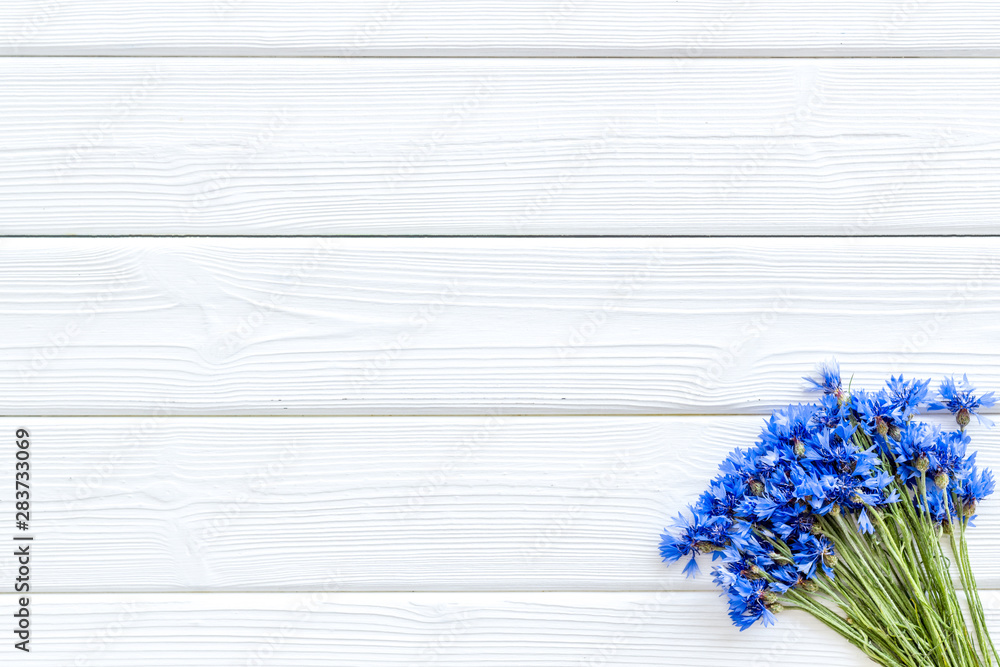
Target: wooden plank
124 146
396 629
689 28
474 326
388 504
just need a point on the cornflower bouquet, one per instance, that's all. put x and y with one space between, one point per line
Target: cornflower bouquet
841 510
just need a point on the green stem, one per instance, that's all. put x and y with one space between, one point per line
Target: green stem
960 548
930 617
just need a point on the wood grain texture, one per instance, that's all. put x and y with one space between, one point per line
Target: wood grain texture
395 629
478 326
380 504
498 146
689 28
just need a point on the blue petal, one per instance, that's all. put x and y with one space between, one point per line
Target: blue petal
865 524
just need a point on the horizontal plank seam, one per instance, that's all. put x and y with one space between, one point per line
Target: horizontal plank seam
960 54
381 592
407 415
502 236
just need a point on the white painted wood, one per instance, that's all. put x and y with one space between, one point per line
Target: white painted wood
689 28
498 146
472 326
396 629
390 504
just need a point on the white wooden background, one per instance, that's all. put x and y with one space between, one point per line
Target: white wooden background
329 357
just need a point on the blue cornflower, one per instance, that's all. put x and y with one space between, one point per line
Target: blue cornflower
939 506
831 411
829 382
812 551
847 492
741 465
906 396
745 564
808 487
958 397
784 577
768 462
742 537
946 457
789 429
810 461
699 535
913 449
759 507
750 600
879 480
836 449
973 488
875 413
790 523
722 498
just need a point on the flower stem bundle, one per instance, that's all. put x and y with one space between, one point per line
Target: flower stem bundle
854 511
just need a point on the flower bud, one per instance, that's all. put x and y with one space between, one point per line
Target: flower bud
941 480
835 511
881 426
798 448
895 433
921 463
706 547
753 571
809 585
769 598
776 608
969 509
946 528
756 487
963 417
816 530
831 560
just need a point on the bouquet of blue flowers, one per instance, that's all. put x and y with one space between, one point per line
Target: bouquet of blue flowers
843 509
